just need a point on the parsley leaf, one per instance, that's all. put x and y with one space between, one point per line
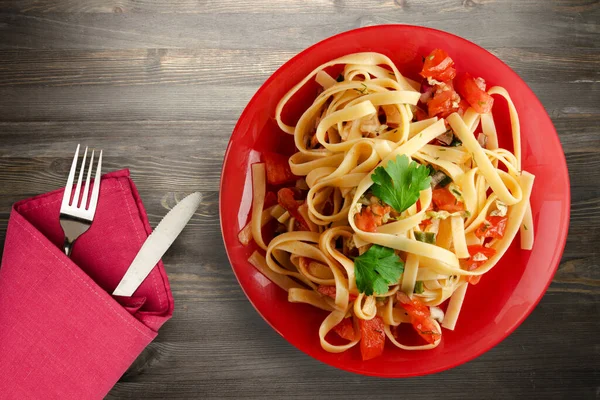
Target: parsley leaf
377 268
400 182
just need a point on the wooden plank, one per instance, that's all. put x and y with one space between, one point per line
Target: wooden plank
205 102
160 85
271 367
148 67
287 7
126 31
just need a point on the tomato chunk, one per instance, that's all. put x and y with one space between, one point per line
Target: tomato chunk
331 292
470 89
420 317
370 217
444 200
345 329
372 338
278 169
420 115
439 66
441 104
477 248
285 198
471 264
493 226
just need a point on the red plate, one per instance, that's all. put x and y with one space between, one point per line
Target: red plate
504 297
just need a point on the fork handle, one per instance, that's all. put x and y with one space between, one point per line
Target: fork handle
68 247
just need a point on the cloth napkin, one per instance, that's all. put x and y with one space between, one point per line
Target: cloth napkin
62 335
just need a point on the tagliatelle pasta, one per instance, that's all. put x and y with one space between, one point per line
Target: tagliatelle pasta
397 199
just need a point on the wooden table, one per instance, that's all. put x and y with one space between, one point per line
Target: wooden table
160 85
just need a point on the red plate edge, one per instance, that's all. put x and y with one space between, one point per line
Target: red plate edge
564 222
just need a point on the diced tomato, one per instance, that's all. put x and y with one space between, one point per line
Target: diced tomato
285 198
420 317
440 103
425 223
470 90
480 83
372 338
444 200
439 66
420 115
370 217
345 329
427 330
414 307
477 248
330 292
270 199
493 226
471 264
278 169
447 75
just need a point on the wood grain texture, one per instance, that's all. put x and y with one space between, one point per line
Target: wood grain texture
159 86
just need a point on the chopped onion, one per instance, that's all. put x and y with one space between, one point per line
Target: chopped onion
482 139
479 257
436 313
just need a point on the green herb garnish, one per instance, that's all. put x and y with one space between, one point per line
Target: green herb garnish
377 268
426 237
400 182
419 288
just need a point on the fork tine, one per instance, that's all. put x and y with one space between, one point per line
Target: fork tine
78 188
96 189
86 189
67 195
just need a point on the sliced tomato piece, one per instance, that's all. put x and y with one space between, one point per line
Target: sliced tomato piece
420 115
493 226
285 198
331 292
477 248
470 90
372 338
420 317
270 199
278 169
414 307
446 76
425 223
438 65
427 330
440 103
345 329
370 217
471 264
444 200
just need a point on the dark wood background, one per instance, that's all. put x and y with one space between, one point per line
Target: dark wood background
159 86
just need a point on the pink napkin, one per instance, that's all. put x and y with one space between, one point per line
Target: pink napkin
62 335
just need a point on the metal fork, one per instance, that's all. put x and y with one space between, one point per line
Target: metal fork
76 217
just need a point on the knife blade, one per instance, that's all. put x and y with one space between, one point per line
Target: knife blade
157 244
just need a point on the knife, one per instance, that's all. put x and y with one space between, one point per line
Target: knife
157 244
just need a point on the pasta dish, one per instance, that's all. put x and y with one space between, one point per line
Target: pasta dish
397 198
